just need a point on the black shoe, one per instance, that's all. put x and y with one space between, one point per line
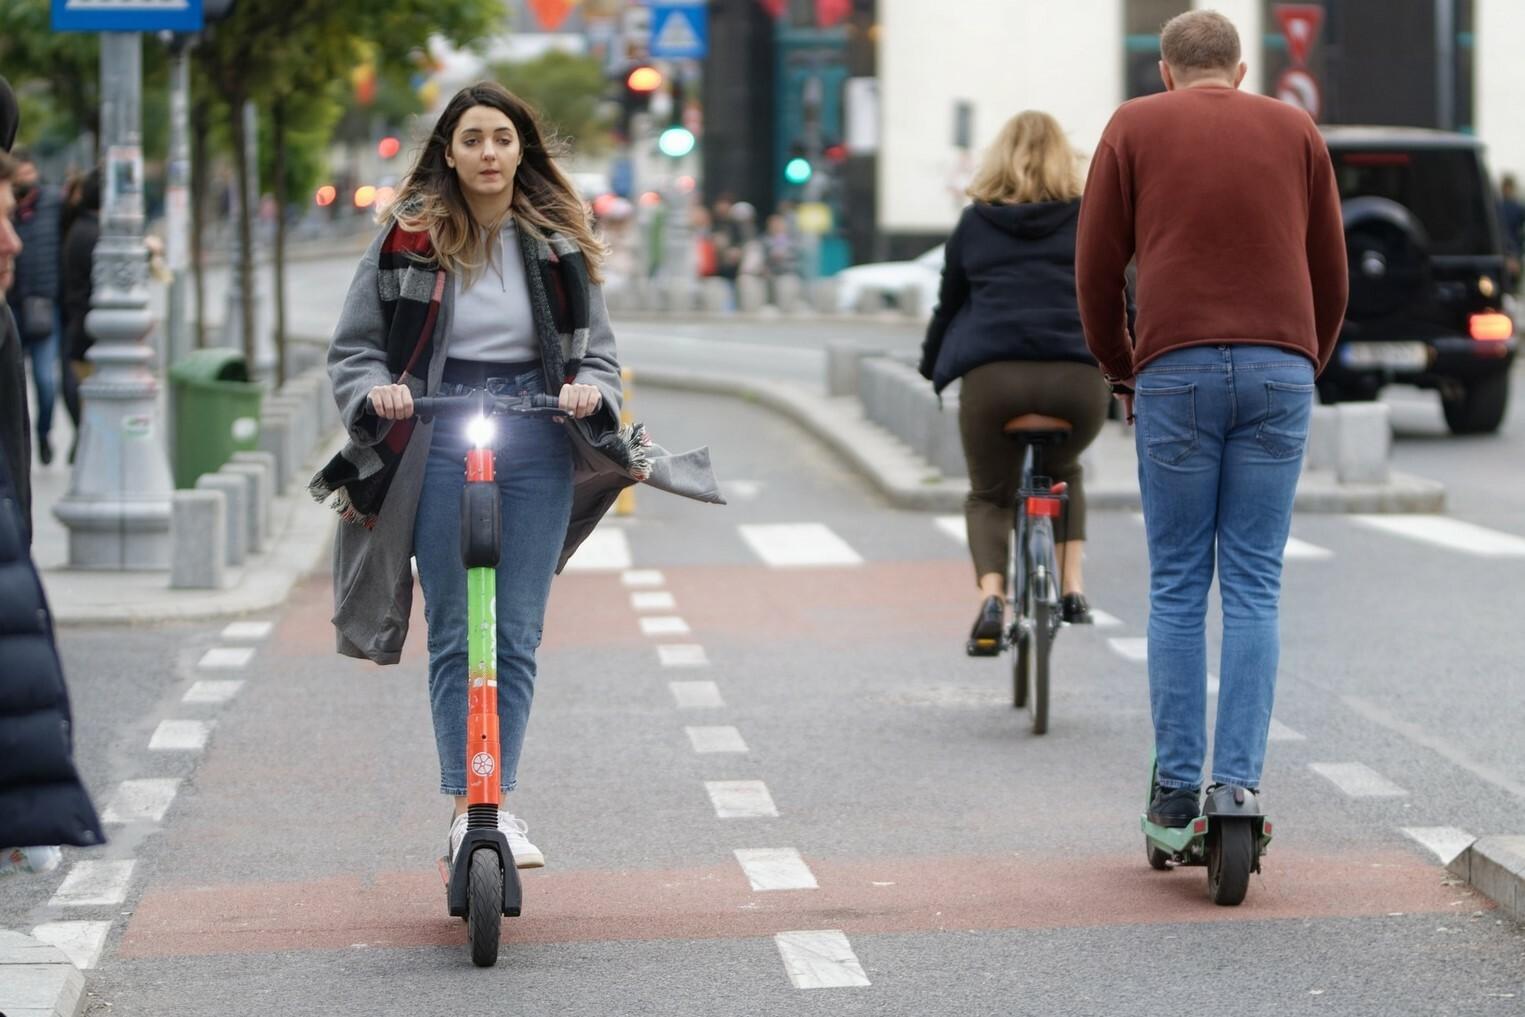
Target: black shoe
44 449
985 637
1074 609
1174 807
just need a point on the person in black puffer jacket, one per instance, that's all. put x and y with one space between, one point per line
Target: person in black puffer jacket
1008 324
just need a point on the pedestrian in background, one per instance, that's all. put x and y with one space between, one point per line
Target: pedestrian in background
77 287
1228 202
34 295
1512 219
1007 323
781 252
15 420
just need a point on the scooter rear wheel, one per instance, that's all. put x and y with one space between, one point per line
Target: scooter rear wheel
1158 860
484 917
1230 857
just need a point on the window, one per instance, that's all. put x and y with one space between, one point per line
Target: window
1143 20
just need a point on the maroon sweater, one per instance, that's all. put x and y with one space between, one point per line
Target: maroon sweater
1228 202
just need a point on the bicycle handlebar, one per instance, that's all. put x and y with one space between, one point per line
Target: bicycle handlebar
426 408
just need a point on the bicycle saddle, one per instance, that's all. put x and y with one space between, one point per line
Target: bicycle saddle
1036 427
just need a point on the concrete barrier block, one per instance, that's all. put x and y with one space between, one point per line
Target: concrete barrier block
237 491
264 496
1365 441
679 295
252 477
788 293
869 378
715 295
304 425
949 454
842 360
1323 439
751 293
198 540
922 426
824 294
275 438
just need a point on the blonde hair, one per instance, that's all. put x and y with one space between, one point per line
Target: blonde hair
1030 160
544 202
1200 41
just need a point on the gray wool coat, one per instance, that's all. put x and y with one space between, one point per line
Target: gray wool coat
373 577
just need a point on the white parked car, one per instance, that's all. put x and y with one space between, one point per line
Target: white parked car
891 278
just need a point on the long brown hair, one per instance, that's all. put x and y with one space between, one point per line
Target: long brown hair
545 202
1030 160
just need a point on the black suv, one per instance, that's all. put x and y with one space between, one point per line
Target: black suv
1428 277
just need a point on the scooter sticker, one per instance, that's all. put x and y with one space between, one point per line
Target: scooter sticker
482 764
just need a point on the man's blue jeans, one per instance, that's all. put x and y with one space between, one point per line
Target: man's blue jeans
534 475
45 377
1221 432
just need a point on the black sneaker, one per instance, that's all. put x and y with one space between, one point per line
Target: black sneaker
1174 806
44 450
1074 609
985 637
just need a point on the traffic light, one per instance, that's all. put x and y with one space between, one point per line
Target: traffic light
798 171
676 142
642 81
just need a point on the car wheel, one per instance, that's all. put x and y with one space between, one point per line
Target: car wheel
1480 408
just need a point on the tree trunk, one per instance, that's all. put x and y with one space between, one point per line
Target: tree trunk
278 261
245 280
200 152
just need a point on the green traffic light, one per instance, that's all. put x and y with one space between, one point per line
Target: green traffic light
798 170
676 142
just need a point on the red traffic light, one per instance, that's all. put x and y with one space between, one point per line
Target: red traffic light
388 147
836 153
644 79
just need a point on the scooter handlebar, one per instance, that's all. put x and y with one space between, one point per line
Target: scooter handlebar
428 407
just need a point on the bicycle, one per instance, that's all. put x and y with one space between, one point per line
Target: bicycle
482 882
1033 579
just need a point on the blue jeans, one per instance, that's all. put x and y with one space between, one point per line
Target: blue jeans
44 356
1221 433
534 476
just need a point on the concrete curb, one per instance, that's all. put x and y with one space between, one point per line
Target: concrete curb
908 481
1495 867
37 980
297 545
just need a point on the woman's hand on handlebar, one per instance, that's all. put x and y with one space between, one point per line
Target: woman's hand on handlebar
392 402
580 400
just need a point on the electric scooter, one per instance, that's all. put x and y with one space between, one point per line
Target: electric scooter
1229 838
482 882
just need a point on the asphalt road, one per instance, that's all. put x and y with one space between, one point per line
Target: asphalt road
961 865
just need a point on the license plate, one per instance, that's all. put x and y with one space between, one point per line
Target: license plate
1393 356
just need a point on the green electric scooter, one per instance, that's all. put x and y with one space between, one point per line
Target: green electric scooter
1229 838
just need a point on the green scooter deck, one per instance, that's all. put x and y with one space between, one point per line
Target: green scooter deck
1187 842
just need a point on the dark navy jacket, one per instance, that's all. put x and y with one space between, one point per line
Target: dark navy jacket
41 798
1008 291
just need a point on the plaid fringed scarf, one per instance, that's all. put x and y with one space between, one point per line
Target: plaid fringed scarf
411 286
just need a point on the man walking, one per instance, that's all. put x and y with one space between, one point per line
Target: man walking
34 295
1228 202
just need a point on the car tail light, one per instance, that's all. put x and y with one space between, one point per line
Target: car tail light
1491 326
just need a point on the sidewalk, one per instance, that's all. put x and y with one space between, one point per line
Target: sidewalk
909 481
37 980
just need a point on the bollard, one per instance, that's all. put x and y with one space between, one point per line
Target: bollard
679 295
1323 439
236 489
950 461
843 362
1365 439
198 540
788 293
908 300
624 503
751 293
715 295
264 495
275 439
824 295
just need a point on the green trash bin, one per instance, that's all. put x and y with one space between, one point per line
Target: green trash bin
216 411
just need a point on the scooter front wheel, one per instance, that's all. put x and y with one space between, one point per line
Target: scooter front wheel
1230 857
484 917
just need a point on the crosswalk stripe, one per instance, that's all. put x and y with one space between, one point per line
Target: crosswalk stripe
1451 534
180 736
1103 620
652 600
1357 780
226 658
141 801
820 959
212 691
740 799
707 740
1445 841
682 655
696 695
798 545
776 869
605 550
247 631
94 884
81 942
955 527
1282 733
1134 648
1302 550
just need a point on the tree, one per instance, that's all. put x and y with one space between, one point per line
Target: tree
568 91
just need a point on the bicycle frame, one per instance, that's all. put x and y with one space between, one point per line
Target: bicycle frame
1034 564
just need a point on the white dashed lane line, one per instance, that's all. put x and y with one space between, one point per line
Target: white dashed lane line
1102 620
141 801
740 799
1282 733
1445 842
1357 780
1134 648
81 942
820 959
641 578
180 736
798 545
664 625
606 550
775 869
212 691
696 695
706 740
1450 534
652 600
247 631
682 655
228 658
94 884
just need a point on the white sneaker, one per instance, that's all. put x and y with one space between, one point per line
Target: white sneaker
526 855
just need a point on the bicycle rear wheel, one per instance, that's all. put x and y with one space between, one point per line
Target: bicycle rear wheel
1041 642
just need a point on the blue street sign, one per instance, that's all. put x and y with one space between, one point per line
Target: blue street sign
679 31
126 15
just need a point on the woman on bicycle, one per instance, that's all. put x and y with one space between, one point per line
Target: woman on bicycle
485 277
1007 323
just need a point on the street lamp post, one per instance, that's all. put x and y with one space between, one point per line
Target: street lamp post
117 510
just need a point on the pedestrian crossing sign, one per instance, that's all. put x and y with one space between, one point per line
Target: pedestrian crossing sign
679 31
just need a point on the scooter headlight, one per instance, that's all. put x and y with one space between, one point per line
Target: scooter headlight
480 431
